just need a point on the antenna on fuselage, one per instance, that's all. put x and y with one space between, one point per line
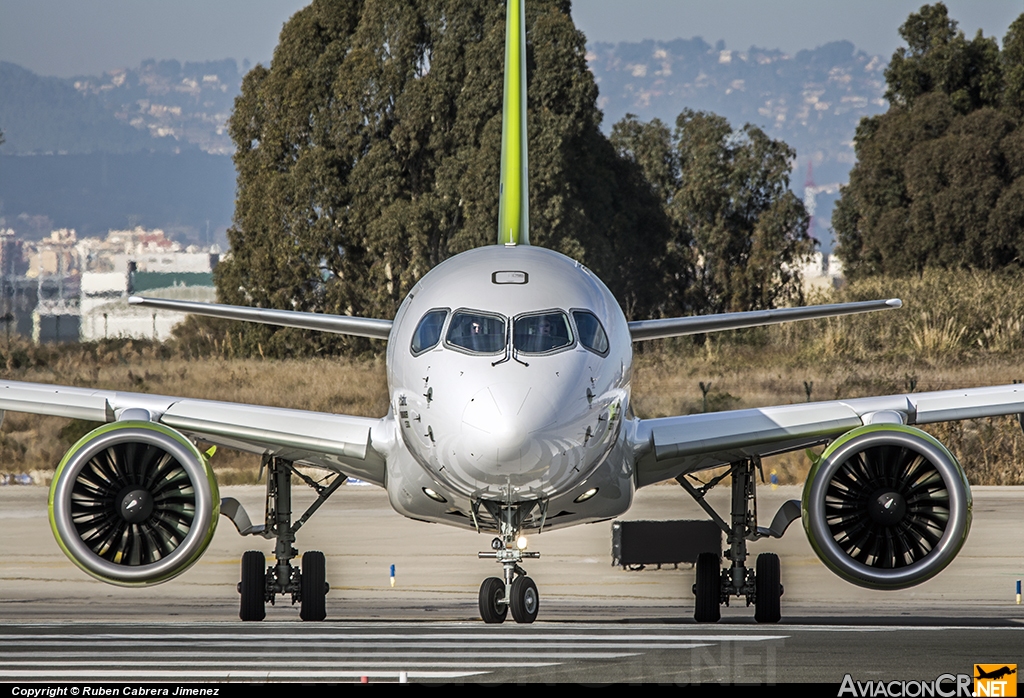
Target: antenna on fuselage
514 205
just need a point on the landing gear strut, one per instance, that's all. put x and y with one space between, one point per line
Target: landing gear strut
516 591
760 586
261 584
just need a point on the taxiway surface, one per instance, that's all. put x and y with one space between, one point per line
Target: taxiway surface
597 623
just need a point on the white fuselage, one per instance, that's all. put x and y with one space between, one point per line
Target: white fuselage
490 403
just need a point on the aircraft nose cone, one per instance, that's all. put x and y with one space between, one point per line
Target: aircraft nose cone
499 425
508 435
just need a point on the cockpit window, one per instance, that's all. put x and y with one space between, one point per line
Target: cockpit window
592 335
541 333
477 332
428 332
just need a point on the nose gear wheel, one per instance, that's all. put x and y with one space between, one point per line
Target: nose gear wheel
525 601
493 608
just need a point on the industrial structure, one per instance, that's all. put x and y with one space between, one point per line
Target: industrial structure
62 289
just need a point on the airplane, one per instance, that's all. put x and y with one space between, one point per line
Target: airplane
509 371
995 673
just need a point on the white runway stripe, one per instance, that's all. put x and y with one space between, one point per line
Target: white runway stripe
228 675
468 637
592 653
311 662
159 653
306 647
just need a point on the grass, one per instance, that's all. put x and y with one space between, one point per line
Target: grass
956 330
34 444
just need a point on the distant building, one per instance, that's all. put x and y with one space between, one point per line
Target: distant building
52 263
140 262
62 289
103 317
18 294
821 272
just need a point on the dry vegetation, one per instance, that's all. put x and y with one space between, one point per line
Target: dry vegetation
956 330
953 332
34 444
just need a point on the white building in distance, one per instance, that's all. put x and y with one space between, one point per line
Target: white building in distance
143 262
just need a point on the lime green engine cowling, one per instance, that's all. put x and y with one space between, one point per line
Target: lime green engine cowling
886 506
134 503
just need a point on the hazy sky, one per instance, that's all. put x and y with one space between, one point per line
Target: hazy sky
74 37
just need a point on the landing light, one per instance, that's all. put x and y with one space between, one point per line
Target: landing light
521 542
586 495
434 495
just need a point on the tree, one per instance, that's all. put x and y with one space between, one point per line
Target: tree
368 152
1013 69
939 59
733 217
938 177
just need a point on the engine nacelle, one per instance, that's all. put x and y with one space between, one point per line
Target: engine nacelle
134 503
886 506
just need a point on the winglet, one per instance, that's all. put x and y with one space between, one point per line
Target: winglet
514 206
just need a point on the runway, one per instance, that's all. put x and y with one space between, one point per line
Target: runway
453 653
597 624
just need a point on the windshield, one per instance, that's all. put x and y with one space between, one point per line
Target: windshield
541 333
592 335
428 332
476 332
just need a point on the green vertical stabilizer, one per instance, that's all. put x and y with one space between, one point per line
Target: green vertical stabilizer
514 207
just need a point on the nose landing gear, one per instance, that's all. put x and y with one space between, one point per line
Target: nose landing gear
516 592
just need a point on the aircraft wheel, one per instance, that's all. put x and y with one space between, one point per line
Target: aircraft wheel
708 589
314 586
525 600
767 606
253 586
492 592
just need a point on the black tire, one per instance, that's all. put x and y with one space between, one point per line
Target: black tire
314 586
768 587
253 586
708 589
491 593
525 601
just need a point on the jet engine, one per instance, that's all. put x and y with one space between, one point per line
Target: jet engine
886 506
134 503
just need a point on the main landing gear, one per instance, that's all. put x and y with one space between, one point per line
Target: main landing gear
516 591
261 584
760 586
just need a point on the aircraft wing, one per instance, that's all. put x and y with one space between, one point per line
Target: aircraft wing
338 442
671 446
641 330
338 324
